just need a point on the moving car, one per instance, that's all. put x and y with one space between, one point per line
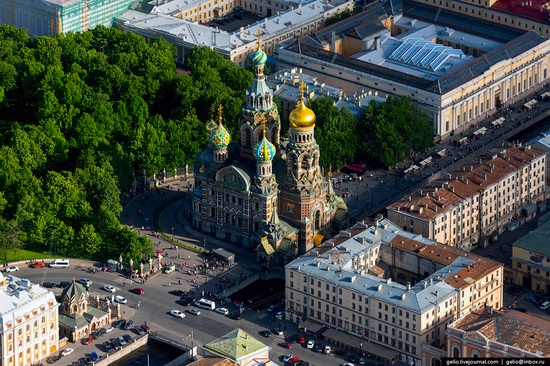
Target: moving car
265 333
545 305
272 308
177 292
169 269
185 301
109 288
85 281
38 264
194 311
293 360
138 291
67 352
286 345
11 269
177 314
287 357
223 311
278 331
310 344
280 315
120 299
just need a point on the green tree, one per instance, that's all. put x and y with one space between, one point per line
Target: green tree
389 132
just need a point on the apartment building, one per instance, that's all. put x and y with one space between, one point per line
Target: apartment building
388 290
183 24
29 322
458 74
531 260
489 333
468 206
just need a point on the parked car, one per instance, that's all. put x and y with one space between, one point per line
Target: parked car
48 284
531 299
128 324
38 264
287 357
238 16
122 323
293 360
310 344
185 301
94 356
138 291
11 269
235 315
545 305
108 346
523 310
64 284
88 340
116 344
121 340
109 329
139 330
109 288
177 314
53 358
341 352
278 331
327 350
127 338
514 290
353 358
319 347
145 328
361 360
302 340
67 352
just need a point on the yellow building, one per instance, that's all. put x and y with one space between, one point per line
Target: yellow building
531 260
458 78
387 292
476 201
29 322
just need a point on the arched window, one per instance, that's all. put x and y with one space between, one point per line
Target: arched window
435 362
456 352
317 220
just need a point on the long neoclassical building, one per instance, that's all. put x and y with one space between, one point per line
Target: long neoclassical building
253 192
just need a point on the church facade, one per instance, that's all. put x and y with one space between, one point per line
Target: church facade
258 192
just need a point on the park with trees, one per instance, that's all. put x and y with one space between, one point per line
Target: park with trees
84 115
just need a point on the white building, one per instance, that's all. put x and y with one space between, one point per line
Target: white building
28 320
386 292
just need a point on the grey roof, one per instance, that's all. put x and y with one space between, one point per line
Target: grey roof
418 299
537 240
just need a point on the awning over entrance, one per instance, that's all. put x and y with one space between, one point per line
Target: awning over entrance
309 326
355 342
317 239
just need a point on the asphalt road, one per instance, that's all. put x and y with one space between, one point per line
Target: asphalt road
155 306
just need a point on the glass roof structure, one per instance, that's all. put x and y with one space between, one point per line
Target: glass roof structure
425 54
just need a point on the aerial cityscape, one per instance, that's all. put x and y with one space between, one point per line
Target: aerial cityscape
274 182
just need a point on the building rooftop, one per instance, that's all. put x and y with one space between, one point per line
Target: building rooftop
537 10
236 345
508 328
536 241
333 262
20 296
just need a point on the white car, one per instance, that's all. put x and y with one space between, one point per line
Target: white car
85 281
109 288
310 344
120 299
223 311
67 352
280 315
287 357
109 330
194 311
278 331
177 314
11 269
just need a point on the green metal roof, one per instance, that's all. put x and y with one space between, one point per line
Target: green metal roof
235 345
75 289
537 240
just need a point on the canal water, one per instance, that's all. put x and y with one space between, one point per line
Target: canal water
159 355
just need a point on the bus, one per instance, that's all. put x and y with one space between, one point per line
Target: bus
60 263
205 304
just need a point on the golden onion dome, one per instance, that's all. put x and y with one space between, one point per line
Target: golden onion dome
302 118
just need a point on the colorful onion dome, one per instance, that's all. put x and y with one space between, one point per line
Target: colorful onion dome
220 137
264 150
302 118
259 57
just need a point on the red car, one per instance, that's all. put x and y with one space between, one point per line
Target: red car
138 291
293 359
145 328
88 340
38 265
286 345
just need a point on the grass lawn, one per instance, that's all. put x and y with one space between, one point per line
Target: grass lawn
25 255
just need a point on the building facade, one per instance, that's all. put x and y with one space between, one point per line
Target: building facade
183 24
468 206
29 322
531 260
489 333
51 17
246 191
391 289
457 78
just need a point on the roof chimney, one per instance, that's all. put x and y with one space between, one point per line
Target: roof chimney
408 286
388 281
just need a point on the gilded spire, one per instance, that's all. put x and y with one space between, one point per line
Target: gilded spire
302 88
220 111
259 39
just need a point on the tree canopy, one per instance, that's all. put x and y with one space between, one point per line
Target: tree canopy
85 113
389 132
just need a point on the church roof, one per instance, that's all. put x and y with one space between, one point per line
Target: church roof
73 321
268 249
75 289
235 345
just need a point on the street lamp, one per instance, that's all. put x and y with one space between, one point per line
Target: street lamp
361 347
204 243
192 344
172 233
